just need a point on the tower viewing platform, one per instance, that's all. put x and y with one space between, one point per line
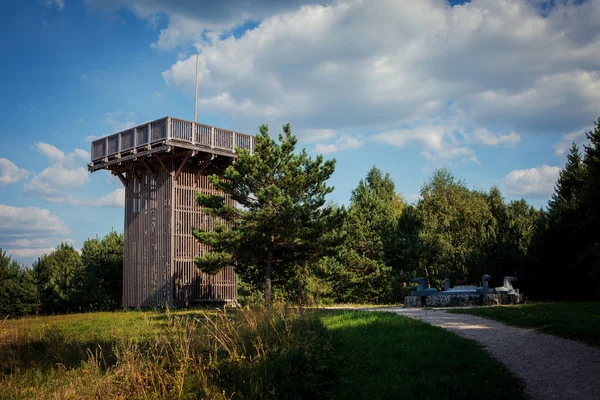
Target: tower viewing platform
162 136
163 165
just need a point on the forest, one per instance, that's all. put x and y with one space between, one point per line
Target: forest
288 244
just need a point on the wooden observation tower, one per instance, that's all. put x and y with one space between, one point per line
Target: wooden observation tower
163 164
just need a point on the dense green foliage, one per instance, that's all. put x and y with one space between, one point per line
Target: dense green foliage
18 292
58 278
103 277
572 320
65 280
280 223
565 263
276 229
452 232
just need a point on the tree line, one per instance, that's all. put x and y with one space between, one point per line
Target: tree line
65 280
284 234
288 243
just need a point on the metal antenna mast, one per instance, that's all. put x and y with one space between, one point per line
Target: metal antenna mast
196 97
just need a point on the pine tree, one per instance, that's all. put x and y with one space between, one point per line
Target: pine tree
570 181
281 221
373 216
591 189
561 240
371 240
590 258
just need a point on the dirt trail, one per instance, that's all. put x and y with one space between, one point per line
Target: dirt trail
550 366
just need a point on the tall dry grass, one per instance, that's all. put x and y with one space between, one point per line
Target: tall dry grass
249 353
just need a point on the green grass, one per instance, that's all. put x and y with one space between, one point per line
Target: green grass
259 353
574 320
386 356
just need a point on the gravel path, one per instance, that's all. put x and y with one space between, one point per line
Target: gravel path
550 366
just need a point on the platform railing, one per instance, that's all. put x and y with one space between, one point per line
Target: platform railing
170 129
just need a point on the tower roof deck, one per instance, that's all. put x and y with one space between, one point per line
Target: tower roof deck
163 135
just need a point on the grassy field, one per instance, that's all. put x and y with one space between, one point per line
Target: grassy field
254 353
577 321
382 355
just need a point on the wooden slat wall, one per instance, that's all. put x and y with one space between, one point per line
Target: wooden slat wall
158 258
147 279
190 284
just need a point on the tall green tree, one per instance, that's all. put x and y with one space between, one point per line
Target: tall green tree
370 248
59 276
281 220
18 293
561 238
102 284
455 227
373 216
590 258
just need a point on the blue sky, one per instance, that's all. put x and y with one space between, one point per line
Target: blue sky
494 90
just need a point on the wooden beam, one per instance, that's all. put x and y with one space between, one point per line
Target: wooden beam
203 166
121 178
117 161
137 174
185 160
163 165
149 169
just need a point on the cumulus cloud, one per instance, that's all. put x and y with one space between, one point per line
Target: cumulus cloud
382 66
30 253
343 143
115 198
190 20
33 248
29 232
10 173
66 172
537 182
439 143
30 220
484 137
578 137
119 121
317 135
59 4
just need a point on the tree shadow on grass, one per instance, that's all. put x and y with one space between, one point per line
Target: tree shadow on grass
387 356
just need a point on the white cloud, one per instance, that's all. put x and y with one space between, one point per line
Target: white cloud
343 143
30 220
537 182
34 243
115 198
380 66
487 138
34 252
119 120
189 21
440 144
59 4
29 232
10 173
317 135
91 138
66 172
50 151
562 147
